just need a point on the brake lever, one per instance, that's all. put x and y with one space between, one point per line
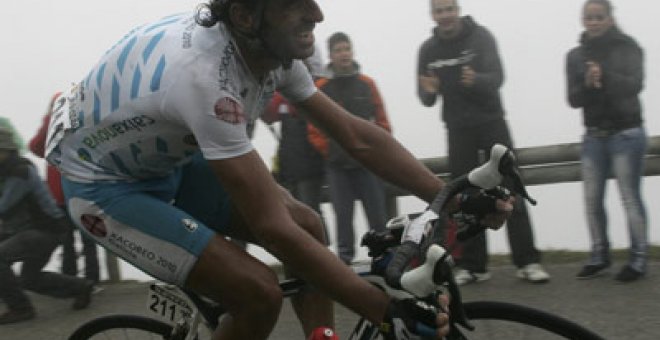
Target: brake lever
510 170
487 177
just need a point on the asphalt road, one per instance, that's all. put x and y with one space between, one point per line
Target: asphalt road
614 310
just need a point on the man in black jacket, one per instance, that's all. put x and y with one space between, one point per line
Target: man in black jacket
460 63
31 227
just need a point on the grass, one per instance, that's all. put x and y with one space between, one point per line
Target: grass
558 256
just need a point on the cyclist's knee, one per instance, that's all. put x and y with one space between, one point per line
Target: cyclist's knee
262 297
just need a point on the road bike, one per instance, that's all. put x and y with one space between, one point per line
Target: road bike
408 239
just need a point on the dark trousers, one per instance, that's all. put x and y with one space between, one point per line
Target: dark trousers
346 186
468 148
33 248
70 255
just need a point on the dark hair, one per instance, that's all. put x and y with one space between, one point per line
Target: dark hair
605 3
337 38
216 11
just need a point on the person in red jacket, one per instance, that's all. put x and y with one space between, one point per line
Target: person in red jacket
53 178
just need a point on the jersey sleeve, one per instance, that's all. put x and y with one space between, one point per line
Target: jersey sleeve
296 84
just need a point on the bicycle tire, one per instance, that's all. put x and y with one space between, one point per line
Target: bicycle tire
526 317
504 311
98 326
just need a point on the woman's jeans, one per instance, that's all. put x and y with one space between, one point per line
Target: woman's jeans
620 154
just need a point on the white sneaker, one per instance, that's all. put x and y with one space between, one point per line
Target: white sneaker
534 273
464 276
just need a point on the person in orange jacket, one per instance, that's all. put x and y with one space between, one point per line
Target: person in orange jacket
347 179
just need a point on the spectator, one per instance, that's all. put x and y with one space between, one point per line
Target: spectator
31 228
5 122
605 75
53 178
460 63
347 179
299 166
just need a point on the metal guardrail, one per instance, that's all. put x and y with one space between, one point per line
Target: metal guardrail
550 164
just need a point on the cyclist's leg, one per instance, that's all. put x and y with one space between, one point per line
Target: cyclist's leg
312 308
242 284
173 246
202 196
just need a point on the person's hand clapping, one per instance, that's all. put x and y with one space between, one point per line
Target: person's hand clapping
429 83
593 76
467 76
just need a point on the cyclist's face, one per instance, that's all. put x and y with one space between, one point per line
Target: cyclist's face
446 15
289 27
596 20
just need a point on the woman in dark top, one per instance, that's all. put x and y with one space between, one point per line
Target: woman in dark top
605 76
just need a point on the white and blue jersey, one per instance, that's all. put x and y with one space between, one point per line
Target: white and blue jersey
162 92
122 136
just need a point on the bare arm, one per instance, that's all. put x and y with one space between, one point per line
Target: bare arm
257 197
373 147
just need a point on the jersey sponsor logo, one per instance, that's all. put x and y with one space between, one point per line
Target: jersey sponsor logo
186 39
94 225
466 57
189 224
115 130
225 62
229 110
136 251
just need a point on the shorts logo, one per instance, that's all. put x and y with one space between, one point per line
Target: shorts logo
229 110
190 225
94 225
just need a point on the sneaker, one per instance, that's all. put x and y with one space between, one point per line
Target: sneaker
84 298
628 274
592 270
14 316
464 276
533 273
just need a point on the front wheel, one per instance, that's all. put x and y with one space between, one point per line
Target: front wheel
500 320
122 327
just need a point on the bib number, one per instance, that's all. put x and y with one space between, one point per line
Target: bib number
168 303
63 117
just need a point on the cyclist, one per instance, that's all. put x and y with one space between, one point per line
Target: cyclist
126 140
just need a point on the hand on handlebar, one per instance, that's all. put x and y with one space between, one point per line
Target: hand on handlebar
496 220
418 317
490 207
